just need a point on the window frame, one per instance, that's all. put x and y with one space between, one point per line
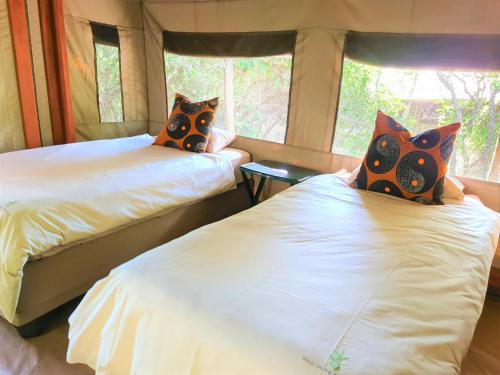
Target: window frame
459 52
469 172
257 48
107 35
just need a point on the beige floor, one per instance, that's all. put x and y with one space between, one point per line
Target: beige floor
46 354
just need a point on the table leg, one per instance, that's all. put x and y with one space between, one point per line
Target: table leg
259 190
248 186
254 199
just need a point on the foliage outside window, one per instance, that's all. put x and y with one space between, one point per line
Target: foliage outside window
109 83
420 100
253 92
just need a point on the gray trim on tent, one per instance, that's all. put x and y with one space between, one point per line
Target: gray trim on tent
241 44
466 52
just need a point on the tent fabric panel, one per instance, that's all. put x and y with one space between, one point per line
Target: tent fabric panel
82 71
83 79
481 52
315 90
39 73
454 17
11 125
134 76
391 16
277 15
109 12
111 130
157 92
230 44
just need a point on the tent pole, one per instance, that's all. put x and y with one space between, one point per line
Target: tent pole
24 69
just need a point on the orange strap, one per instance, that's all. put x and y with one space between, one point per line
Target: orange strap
24 69
56 70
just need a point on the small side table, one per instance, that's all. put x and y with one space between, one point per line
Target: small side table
273 170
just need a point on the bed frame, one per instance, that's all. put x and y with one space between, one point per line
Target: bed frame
52 281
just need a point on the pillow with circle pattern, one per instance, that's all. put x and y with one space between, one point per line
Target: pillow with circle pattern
188 126
408 167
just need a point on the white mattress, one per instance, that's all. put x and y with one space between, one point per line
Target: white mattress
319 277
56 196
237 158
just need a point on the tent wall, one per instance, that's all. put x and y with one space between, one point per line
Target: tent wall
127 17
322 26
11 125
153 35
396 16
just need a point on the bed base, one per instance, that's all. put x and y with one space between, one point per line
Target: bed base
51 282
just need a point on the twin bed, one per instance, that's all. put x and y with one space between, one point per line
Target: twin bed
321 278
132 197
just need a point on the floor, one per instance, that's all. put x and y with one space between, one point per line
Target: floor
46 354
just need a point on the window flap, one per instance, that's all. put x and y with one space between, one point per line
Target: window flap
252 44
475 52
105 34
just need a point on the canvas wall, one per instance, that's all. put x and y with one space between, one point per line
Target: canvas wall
127 17
322 26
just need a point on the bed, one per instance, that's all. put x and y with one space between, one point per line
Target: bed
71 213
321 278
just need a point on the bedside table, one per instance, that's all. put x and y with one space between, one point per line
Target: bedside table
273 170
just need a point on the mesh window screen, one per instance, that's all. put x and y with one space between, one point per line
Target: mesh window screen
108 72
424 81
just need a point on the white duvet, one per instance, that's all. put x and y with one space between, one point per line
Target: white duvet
320 279
51 197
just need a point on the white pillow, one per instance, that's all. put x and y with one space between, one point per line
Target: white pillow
219 139
453 188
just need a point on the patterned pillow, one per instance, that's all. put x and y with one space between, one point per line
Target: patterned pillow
404 166
188 126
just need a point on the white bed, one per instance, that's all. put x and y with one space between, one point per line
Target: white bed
54 197
319 278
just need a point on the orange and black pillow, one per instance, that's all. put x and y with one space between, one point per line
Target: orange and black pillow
404 166
188 126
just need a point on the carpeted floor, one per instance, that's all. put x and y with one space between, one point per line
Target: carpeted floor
46 354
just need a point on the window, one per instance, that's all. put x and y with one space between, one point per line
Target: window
250 72
421 99
253 92
108 73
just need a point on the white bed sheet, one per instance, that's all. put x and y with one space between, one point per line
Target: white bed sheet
237 158
318 276
55 196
